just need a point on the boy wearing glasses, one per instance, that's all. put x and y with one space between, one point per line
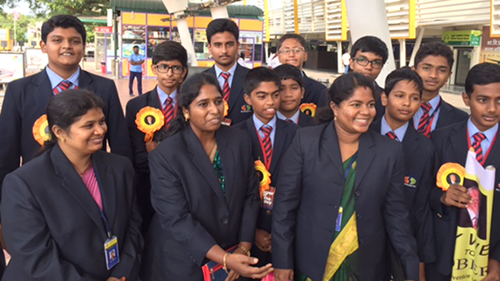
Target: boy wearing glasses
433 63
292 50
170 67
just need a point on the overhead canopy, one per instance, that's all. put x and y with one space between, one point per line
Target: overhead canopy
156 6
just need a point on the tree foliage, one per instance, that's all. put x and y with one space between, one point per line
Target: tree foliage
47 8
22 24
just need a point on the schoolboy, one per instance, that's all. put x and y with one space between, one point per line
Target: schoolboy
368 56
291 94
452 143
433 63
401 99
63 40
292 50
170 67
270 138
223 45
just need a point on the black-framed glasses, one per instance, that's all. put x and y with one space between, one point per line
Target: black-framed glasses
163 68
288 51
377 64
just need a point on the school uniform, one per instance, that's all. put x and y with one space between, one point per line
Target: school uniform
451 145
53 226
441 115
26 100
299 118
193 213
281 140
239 110
306 206
418 153
377 94
154 98
314 92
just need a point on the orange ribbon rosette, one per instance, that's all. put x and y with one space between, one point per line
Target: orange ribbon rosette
309 109
448 174
264 176
149 120
226 108
41 130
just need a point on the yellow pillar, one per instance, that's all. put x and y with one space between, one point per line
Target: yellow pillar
296 15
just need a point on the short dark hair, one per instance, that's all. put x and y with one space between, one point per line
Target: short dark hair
288 71
370 44
171 50
135 46
434 49
403 74
297 37
67 108
222 25
258 75
481 74
63 21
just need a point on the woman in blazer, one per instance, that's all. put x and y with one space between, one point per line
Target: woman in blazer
339 194
59 210
204 191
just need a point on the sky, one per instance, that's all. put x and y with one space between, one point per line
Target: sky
22 7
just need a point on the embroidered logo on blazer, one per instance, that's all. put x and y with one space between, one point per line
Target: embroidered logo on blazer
410 182
246 108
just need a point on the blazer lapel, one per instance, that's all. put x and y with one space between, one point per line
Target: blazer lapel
459 143
228 162
494 152
201 161
74 185
330 145
445 114
85 81
153 99
42 91
236 87
279 142
410 143
365 157
107 186
254 138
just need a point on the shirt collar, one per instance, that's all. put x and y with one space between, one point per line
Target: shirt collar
434 102
294 118
231 71
400 132
55 79
259 123
490 133
164 96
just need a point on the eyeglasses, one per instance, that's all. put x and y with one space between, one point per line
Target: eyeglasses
163 68
288 51
377 64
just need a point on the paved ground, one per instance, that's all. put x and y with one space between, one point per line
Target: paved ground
451 94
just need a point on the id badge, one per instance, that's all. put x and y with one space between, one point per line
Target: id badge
111 252
226 122
268 198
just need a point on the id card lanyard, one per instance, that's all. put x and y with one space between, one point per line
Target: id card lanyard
469 145
431 118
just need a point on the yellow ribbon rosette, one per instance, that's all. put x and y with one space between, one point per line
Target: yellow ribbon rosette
41 131
309 109
226 108
264 176
448 174
149 120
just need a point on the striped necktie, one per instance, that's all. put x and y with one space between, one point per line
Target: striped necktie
290 121
62 86
266 143
478 138
424 120
168 111
392 135
226 90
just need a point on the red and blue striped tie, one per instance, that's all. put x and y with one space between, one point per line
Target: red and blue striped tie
226 90
392 135
424 120
267 145
168 111
478 138
62 86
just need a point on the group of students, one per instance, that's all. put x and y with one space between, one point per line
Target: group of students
223 169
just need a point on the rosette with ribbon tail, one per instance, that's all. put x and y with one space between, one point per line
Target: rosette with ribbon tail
309 109
41 131
149 120
264 177
226 108
448 174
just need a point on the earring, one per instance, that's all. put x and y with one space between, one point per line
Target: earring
186 117
63 139
335 118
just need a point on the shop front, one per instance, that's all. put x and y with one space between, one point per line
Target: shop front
466 50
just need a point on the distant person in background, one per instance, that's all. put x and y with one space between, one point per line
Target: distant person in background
241 59
273 61
136 61
346 58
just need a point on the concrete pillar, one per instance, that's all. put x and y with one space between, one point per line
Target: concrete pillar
371 20
219 12
340 67
402 52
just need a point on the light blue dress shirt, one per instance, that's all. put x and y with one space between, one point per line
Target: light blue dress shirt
400 132
56 79
259 124
490 135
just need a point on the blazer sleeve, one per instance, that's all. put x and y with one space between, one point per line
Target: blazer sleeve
133 242
252 200
286 204
117 127
398 223
28 237
170 203
436 193
10 138
139 152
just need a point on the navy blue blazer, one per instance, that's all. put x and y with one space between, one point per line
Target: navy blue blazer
53 227
239 111
418 153
452 146
192 212
315 92
310 186
26 100
449 115
306 120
